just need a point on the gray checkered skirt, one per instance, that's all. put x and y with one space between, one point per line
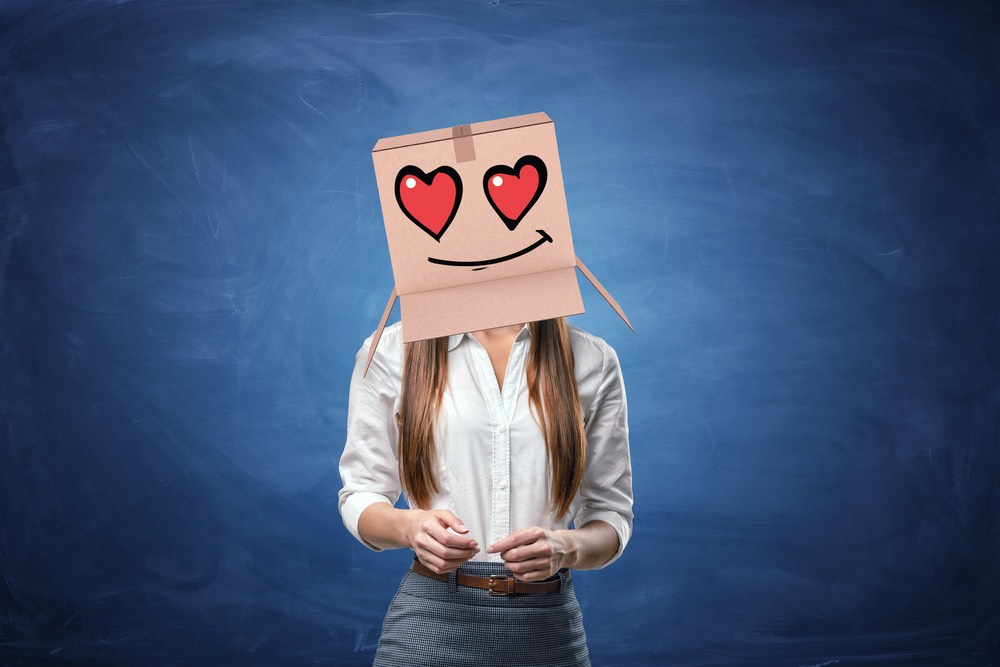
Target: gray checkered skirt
434 623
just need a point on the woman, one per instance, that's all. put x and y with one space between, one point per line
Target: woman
501 439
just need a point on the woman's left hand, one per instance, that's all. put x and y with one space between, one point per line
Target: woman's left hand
533 554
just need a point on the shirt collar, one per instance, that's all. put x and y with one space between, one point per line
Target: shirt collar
455 339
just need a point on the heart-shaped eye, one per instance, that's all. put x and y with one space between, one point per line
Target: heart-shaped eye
429 200
512 192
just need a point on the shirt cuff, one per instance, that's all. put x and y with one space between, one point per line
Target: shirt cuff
353 506
616 520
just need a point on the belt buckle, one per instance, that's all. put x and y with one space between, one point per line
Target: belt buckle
499 577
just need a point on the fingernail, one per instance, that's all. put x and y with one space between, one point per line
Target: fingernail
463 528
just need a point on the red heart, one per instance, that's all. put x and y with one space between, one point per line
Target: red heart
430 200
512 192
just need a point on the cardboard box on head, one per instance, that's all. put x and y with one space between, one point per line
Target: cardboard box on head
478 229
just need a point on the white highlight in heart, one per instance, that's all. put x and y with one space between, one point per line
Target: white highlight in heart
411 182
497 181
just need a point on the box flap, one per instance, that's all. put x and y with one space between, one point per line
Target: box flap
494 303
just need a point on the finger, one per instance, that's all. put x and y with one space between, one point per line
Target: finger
537 575
440 565
455 563
430 543
441 534
539 549
532 570
515 539
432 562
451 521
523 566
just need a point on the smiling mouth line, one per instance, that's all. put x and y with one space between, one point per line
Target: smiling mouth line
482 263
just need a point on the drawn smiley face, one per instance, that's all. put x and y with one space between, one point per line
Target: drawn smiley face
431 200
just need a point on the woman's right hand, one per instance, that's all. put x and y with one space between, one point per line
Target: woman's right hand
435 546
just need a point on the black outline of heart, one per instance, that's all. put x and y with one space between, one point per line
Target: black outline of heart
535 162
428 180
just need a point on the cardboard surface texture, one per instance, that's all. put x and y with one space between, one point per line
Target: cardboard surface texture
478 229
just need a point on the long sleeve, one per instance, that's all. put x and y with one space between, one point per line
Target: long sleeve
368 467
606 491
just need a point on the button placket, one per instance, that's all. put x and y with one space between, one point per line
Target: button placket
507 403
500 445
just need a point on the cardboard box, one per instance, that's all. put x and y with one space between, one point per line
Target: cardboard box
478 229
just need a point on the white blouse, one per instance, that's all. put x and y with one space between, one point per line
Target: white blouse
492 467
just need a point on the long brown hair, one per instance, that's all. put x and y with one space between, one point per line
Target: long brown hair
552 395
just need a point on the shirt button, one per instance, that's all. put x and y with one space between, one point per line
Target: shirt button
502 484
503 428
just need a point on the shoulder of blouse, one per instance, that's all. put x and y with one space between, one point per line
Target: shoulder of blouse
596 367
591 354
387 363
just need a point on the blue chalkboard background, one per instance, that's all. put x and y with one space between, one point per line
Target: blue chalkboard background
798 205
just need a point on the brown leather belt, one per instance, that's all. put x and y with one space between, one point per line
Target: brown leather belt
496 584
